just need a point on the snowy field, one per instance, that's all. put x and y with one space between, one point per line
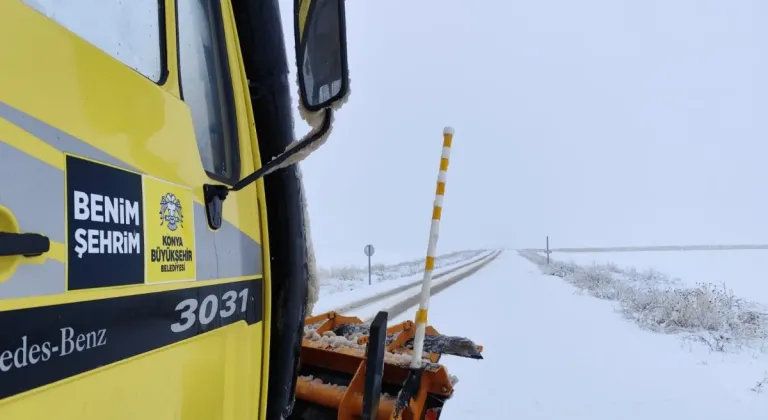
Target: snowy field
553 352
741 270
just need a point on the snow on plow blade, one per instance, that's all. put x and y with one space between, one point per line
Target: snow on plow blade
352 370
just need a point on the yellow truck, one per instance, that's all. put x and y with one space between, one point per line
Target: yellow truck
155 260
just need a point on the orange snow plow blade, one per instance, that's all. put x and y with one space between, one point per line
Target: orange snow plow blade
351 370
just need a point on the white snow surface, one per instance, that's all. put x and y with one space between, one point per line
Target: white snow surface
553 353
740 270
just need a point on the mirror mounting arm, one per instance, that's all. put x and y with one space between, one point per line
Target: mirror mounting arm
215 194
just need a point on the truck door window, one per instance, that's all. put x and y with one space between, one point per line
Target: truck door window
129 31
205 86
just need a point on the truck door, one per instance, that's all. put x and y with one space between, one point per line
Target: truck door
113 114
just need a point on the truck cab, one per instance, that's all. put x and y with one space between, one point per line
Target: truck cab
154 261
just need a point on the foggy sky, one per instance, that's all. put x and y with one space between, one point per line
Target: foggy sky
598 123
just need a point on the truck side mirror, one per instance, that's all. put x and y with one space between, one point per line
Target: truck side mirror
321 61
321 52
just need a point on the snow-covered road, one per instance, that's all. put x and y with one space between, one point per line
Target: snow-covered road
351 299
553 354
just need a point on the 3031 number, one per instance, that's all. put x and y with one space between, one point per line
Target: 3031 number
206 311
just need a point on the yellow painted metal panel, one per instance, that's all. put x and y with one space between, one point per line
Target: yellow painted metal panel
191 380
63 82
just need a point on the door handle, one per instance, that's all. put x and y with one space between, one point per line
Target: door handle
26 244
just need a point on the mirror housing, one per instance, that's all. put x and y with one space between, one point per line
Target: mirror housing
321 52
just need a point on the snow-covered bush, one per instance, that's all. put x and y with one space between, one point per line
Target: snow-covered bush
599 282
343 273
554 268
709 313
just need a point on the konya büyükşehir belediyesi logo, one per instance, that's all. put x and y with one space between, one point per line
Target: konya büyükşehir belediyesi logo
170 211
111 242
170 241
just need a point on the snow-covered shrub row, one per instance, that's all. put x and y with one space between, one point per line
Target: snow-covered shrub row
336 279
709 313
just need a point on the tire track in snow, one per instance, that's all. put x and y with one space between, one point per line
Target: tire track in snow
351 306
413 300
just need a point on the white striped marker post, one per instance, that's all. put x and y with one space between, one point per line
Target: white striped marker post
421 313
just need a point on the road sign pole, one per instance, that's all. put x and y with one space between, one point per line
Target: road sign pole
369 250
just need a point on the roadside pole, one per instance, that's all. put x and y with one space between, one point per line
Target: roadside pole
369 250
